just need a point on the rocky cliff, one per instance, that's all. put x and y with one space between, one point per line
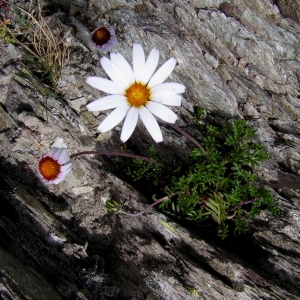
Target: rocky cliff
239 59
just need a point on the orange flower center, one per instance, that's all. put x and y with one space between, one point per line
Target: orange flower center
137 94
49 168
101 36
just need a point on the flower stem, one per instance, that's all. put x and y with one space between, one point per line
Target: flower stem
242 203
117 154
189 137
146 208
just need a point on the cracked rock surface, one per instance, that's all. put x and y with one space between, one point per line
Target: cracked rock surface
239 59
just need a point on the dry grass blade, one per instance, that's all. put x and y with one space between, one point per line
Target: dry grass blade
42 38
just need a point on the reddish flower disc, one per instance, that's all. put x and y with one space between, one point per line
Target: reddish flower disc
49 168
101 36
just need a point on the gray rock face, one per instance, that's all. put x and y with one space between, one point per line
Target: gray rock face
237 60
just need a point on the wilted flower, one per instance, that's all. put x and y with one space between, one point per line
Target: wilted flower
136 92
103 38
54 165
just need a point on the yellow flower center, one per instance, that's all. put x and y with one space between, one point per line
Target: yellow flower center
49 168
137 95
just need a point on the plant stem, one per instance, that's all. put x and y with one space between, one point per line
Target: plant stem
242 203
189 137
147 208
117 154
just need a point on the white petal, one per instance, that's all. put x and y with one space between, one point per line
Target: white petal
163 72
104 85
38 170
64 156
120 61
151 124
114 118
50 152
114 73
129 124
168 99
57 153
107 102
66 168
161 111
150 65
138 59
168 87
56 180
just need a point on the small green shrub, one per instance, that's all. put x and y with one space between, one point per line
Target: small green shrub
219 183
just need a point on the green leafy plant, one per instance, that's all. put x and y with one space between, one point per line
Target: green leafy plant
6 35
140 169
220 182
153 174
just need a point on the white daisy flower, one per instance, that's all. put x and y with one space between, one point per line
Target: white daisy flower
54 165
136 92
